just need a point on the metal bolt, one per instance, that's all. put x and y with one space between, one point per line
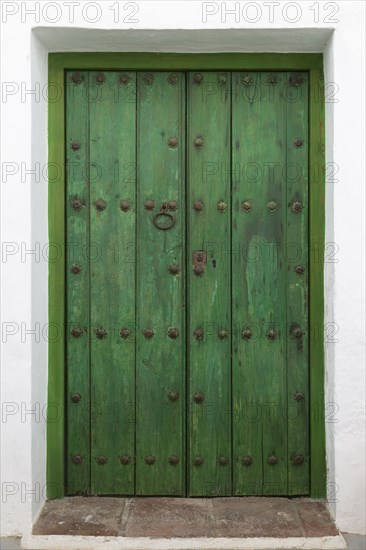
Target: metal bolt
246 334
102 460
77 332
100 78
173 79
198 270
150 459
124 205
173 333
198 461
173 460
172 205
75 145
149 205
101 333
148 333
299 269
198 142
198 334
272 206
298 459
247 206
198 206
247 80
173 395
221 206
247 460
174 269
75 269
75 397
148 79
100 205
124 333
272 460
198 398
77 459
125 459
223 460
272 334
124 79
77 205
173 142
299 396
298 142
197 78
77 77
222 334
296 207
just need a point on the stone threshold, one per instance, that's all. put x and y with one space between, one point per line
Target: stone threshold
184 523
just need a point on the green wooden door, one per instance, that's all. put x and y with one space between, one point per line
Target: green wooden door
187 283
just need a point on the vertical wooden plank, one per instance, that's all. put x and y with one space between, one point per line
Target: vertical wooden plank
112 280
259 285
160 383
297 283
56 415
316 278
209 293
77 284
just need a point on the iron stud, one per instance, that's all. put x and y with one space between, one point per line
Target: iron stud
100 78
77 77
174 269
272 334
150 459
198 461
197 78
75 145
297 80
298 460
173 79
77 459
172 205
149 205
77 205
125 460
221 79
298 142
198 206
221 206
148 79
124 206
77 332
247 206
173 333
173 142
198 142
272 206
101 460
198 334
124 79
299 396
296 207
173 460
101 333
299 269
246 334
272 460
222 334
247 80
173 395
272 79
223 460
198 270
100 205
297 333
124 333
76 269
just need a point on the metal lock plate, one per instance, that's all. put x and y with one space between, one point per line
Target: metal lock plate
199 258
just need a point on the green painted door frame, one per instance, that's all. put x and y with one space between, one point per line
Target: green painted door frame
58 64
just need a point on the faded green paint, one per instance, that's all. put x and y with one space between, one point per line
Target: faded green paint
276 435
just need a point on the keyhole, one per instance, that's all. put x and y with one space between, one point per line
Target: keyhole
213 263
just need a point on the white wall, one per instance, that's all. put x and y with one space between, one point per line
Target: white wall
295 27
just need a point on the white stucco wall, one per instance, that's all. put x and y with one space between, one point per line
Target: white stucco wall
335 28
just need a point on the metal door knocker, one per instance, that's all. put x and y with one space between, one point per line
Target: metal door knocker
163 214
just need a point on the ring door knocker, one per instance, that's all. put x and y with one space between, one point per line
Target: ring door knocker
163 213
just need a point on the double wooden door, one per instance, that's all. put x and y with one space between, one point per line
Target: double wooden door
187 283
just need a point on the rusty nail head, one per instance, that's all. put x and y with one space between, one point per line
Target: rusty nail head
75 269
247 80
222 334
124 79
198 461
148 79
102 460
221 79
75 145
298 142
272 334
247 460
197 78
173 460
198 270
77 459
273 79
148 333
77 332
173 79
223 460
297 207
198 334
150 459
199 397
77 77
298 459
125 459
101 333
199 142
198 206
124 206
77 205
173 333
247 206
272 206
221 206
299 396
172 205
100 78
124 333
246 334
100 205
297 332
297 80
173 142
299 269
173 395
272 460
149 205
75 397
174 269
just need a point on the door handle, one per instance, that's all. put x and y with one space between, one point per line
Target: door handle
163 213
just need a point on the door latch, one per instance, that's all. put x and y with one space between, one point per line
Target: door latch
199 261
